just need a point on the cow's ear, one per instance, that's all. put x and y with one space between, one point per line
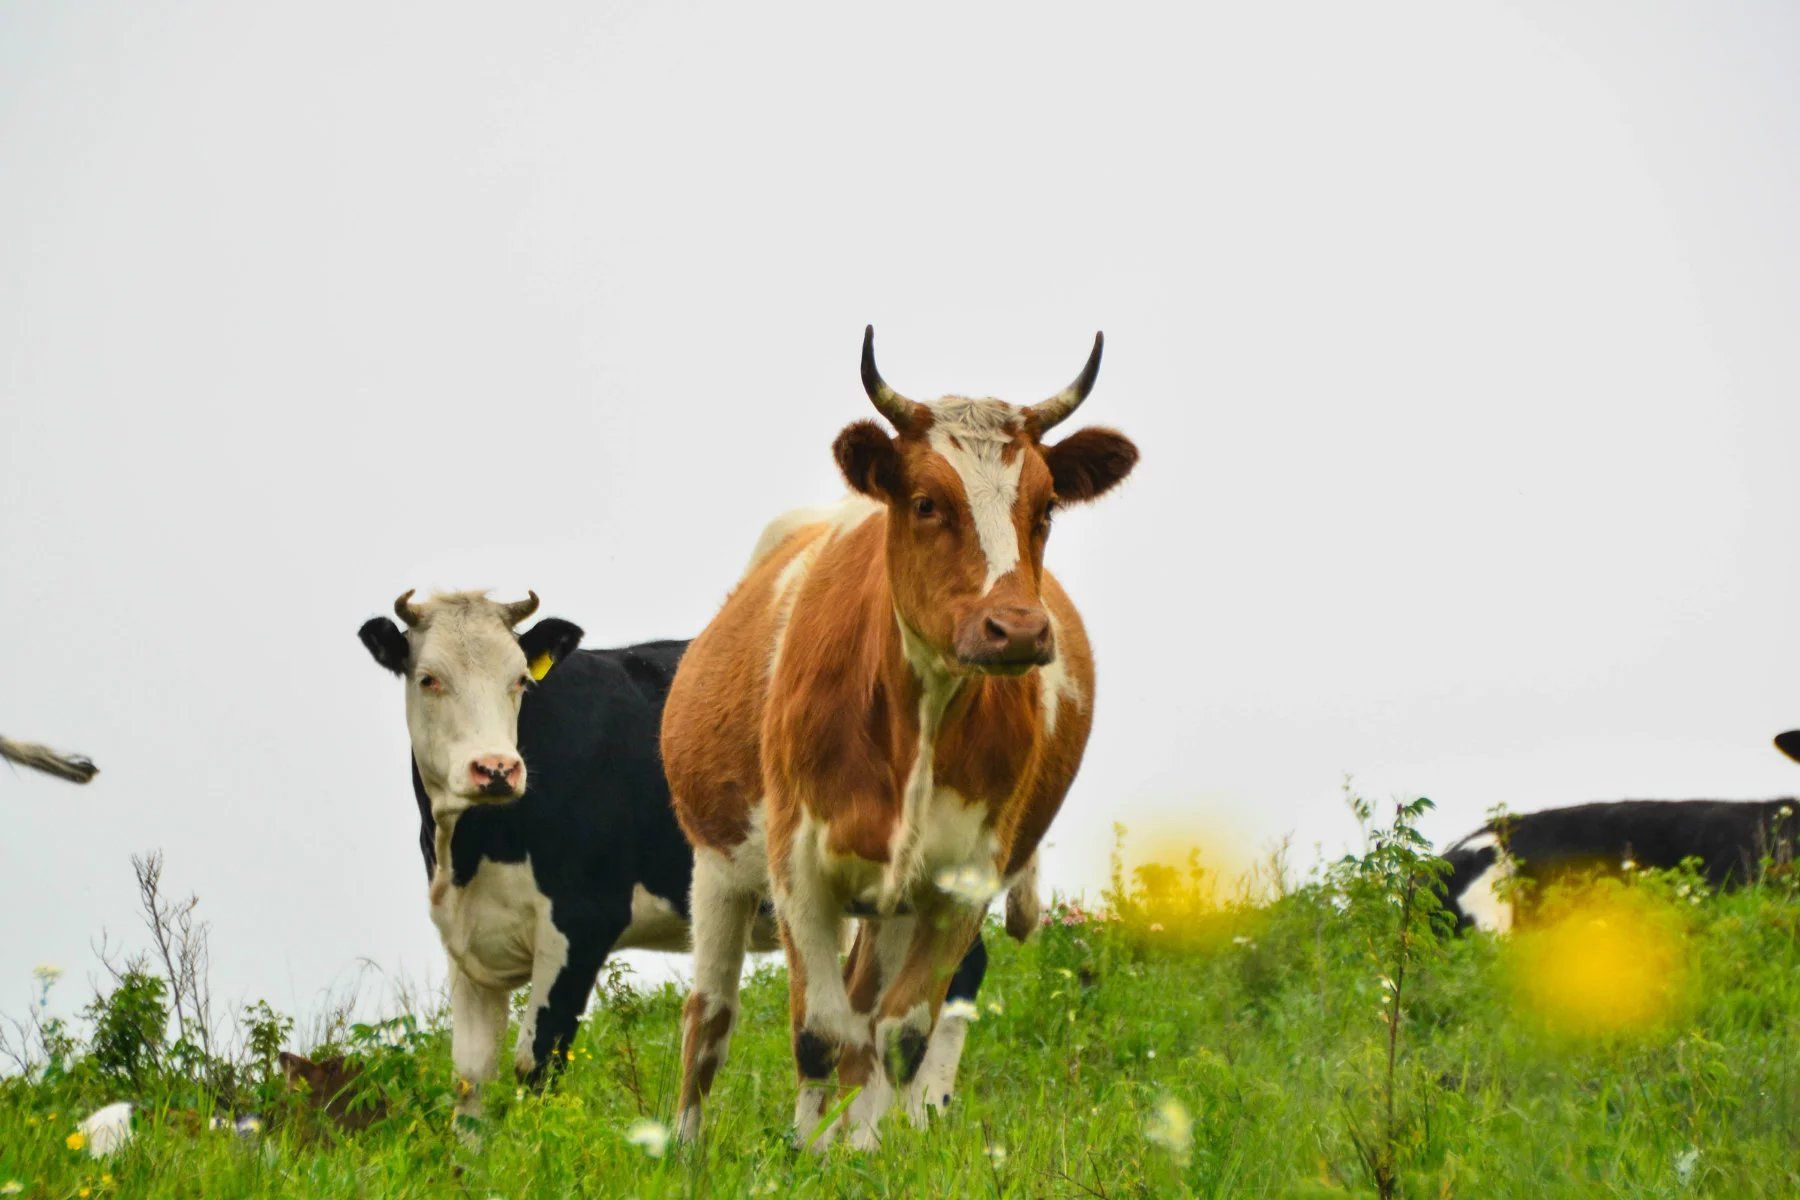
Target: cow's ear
547 643
866 456
1789 743
1088 463
387 645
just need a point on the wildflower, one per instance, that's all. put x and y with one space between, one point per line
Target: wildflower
1387 985
76 1140
1786 810
1685 1162
995 1007
1628 864
106 1180
653 1136
960 1009
11 1187
1150 1053
85 1192
997 1153
974 884
46 974
1156 927
1172 1128
1241 940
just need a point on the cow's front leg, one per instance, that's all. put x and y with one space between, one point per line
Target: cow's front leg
571 946
825 1027
910 1004
477 1019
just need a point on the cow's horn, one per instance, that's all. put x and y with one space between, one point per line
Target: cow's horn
899 411
518 610
1058 407
407 611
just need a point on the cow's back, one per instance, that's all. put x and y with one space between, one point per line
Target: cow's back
712 725
1727 836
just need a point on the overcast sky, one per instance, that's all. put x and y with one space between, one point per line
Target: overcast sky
1459 340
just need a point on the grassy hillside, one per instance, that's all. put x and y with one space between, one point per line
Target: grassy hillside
1642 1043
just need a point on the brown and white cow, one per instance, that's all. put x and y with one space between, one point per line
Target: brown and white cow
882 722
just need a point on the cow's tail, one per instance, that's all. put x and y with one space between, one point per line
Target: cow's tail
1023 909
75 768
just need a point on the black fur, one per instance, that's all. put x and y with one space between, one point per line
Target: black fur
385 643
1728 837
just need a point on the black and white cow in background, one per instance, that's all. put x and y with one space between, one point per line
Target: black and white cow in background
545 822
1729 838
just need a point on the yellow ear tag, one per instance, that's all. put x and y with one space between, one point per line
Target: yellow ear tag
540 666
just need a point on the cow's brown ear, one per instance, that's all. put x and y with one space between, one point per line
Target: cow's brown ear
1088 463
1789 743
866 456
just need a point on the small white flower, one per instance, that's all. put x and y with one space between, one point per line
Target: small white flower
1628 864
1172 1128
1685 1162
1151 1053
653 1136
959 1009
997 1153
1387 985
11 1187
46 974
1156 927
1241 940
1787 810
995 1007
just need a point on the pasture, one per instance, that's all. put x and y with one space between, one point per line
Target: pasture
1178 1039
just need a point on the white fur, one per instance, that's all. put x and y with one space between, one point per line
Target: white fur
465 642
844 515
972 436
938 686
935 1083
1055 683
1483 901
477 1019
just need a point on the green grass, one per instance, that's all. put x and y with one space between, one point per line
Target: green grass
1250 1041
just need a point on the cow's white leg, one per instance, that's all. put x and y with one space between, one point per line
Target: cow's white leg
722 912
883 947
935 1083
477 1019
826 1027
551 955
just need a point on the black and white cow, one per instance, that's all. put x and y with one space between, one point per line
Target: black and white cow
1728 837
545 822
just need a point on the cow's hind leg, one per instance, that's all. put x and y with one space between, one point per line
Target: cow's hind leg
722 911
933 1086
571 946
477 1019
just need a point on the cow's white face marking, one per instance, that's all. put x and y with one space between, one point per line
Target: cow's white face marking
973 436
465 678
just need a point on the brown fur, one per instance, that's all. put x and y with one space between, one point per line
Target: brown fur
832 735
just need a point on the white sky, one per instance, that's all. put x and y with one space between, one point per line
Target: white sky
1459 341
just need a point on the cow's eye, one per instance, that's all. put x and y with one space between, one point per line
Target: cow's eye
1044 518
923 507
430 683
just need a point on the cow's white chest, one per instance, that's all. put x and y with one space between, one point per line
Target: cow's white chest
957 847
489 927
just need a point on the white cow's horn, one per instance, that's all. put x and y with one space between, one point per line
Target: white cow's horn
518 610
407 611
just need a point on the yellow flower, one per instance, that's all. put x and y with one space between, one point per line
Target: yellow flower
106 1180
85 1192
76 1140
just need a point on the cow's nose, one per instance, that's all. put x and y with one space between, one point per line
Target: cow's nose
1013 636
496 774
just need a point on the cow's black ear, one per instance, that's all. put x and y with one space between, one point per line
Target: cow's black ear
547 643
1789 743
387 645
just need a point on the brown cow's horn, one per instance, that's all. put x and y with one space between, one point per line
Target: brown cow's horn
1059 406
518 610
899 411
407 611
